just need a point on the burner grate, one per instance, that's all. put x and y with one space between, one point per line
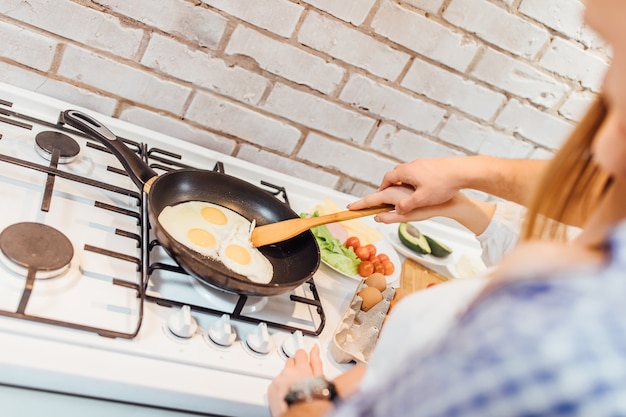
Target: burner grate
53 171
238 313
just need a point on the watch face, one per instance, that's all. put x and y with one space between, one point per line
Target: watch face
309 389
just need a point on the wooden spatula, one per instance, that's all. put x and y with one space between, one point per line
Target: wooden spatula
277 232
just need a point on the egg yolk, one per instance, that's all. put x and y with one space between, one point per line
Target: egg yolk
238 254
201 238
214 215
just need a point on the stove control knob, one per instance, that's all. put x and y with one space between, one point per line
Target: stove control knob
259 340
182 324
292 343
221 332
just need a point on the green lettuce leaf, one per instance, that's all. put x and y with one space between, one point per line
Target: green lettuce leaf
333 252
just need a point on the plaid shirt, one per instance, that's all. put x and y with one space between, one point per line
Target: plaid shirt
554 346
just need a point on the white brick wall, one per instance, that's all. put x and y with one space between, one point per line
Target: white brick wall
538 126
453 89
392 104
242 122
121 79
202 26
406 146
71 21
494 24
172 58
38 55
285 60
340 156
570 60
335 92
519 78
318 113
277 16
424 36
353 12
356 48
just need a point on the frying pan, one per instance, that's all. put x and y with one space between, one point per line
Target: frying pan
294 260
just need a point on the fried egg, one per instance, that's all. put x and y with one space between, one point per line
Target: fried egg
238 254
219 233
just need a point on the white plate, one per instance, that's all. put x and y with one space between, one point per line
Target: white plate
382 246
465 259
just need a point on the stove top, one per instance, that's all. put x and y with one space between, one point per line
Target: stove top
84 280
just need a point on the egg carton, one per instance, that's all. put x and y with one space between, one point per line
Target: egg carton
358 330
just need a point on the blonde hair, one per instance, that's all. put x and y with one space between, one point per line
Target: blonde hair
572 185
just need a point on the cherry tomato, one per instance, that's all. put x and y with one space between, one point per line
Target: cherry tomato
366 268
362 253
353 242
388 267
382 257
372 249
378 267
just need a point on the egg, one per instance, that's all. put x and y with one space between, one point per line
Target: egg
377 280
237 253
218 233
185 223
398 294
371 296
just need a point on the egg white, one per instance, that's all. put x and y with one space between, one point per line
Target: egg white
258 269
179 219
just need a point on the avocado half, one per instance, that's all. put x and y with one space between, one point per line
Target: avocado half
413 239
437 248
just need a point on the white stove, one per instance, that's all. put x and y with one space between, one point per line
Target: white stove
101 311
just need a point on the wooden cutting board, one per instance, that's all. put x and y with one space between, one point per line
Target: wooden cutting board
415 276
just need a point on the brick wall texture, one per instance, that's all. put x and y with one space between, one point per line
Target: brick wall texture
336 92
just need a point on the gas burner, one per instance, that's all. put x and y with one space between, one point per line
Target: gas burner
49 141
37 248
222 300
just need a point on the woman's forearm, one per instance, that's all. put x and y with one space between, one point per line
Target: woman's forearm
471 213
316 408
510 179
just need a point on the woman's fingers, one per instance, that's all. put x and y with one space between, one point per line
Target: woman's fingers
290 363
391 195
301 365
316 361
301 359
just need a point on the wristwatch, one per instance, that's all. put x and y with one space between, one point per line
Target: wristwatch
309 389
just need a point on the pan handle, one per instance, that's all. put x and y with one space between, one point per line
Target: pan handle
138 170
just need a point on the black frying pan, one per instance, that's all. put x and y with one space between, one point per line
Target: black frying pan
294 260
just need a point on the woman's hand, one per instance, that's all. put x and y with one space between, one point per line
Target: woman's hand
394 195
436 180
471 213
433 181
301 366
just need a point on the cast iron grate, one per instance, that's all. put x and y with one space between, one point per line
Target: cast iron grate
52 170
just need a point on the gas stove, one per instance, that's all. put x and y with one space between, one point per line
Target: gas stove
92 306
